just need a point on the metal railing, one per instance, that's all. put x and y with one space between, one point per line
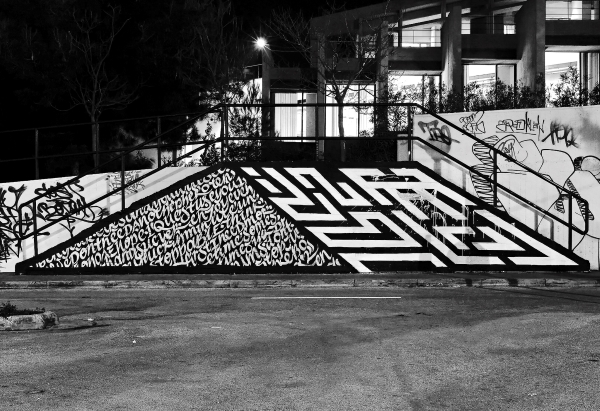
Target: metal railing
41 135
480 27
421 37
570 10
257 141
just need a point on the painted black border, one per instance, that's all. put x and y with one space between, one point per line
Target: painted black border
582 264
26 266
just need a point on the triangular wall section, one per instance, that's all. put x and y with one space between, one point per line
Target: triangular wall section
218 220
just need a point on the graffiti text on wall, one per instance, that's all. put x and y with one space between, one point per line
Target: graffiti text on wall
10 239
552 154
114 182
57 205
68 205
219 220
441 134
473 123
560 133
525 125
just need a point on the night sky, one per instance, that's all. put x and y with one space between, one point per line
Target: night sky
255 15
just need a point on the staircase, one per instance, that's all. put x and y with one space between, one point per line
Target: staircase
302 217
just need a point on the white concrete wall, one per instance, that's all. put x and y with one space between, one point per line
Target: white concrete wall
70 198
561 143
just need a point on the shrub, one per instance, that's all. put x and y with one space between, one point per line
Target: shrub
7 309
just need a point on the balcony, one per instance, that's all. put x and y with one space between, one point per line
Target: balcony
572 10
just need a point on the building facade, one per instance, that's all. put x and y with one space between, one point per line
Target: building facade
433 43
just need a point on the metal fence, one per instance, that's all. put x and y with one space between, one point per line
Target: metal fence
250 140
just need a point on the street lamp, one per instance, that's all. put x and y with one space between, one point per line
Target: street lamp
261 43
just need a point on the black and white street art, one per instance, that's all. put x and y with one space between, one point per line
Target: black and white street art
218 220
360 219
114 182
66 205
70 209
561 144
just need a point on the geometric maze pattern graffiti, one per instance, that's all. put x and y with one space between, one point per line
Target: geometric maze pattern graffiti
404 217
218 220
387 217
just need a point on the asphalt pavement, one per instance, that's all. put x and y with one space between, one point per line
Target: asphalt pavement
502 348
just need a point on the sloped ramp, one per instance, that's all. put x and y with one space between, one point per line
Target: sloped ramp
311 217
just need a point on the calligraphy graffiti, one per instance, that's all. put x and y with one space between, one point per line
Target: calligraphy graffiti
217 220
441 134
114 182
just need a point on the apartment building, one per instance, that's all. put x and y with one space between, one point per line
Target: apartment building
435 42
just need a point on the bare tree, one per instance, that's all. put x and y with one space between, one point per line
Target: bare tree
344 57
214 57
85 52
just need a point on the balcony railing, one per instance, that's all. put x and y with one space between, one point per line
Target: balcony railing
471 27
429 37
572 10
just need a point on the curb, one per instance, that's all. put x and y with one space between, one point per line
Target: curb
299 283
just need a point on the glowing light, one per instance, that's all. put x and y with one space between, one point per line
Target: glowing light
261 43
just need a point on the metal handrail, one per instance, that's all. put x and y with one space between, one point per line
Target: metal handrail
121 188
502 154
518 196
18 130
76 179
225 138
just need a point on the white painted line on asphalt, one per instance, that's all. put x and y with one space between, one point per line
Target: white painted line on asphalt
320 298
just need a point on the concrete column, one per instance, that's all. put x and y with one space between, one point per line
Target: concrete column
383 58
531 41
311 98
267 65
452 74
593 69
400 20
318 60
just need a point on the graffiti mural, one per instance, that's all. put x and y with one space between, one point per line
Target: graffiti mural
366 219
561 144
114 182
10 233
67 206
59 207
218 220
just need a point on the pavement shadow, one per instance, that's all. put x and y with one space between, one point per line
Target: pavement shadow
76 328
550 293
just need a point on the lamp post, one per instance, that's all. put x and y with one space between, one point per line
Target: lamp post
267 61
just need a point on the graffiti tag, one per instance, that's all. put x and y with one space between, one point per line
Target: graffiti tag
68 205
441 134
560 132
10 239
473 123
114 182
522 126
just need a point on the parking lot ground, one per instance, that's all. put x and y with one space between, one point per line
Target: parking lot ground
266 349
